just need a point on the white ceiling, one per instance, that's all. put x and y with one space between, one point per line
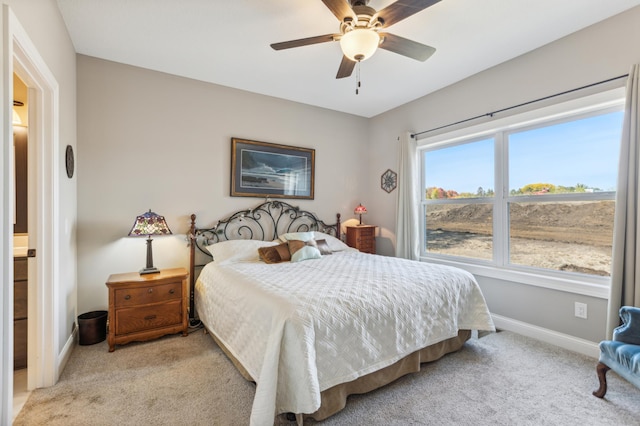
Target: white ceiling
227 43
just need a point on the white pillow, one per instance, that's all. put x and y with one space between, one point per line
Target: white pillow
306 253
300 236
334 243
238 250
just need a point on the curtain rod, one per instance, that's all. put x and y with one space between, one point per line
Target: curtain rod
490 114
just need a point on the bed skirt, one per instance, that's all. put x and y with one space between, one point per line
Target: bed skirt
334 399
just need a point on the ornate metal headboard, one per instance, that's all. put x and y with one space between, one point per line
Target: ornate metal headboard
265 222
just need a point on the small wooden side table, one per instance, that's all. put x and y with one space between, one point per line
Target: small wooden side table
362 237
145 307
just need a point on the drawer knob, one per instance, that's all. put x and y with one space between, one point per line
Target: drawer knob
127 297
150 317
173 290
150 290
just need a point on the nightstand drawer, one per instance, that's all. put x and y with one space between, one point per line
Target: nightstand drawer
132 320
143 295
367 232
365 245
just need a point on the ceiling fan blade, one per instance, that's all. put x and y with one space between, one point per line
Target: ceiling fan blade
346 67
406 47
402 9
340 8
303 41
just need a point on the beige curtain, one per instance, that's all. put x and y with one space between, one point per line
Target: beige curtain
625 268
407 226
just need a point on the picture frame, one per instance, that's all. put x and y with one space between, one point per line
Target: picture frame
262 169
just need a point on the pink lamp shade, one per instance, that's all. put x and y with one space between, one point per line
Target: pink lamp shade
360 210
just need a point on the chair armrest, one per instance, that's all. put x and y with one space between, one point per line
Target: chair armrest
629 331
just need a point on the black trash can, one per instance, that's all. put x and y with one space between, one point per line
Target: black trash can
93 327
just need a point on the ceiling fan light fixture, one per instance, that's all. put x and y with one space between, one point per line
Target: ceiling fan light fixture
359 44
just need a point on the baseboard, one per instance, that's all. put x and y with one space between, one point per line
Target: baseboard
65 354
562 340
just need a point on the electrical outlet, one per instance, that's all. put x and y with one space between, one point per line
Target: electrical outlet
581 310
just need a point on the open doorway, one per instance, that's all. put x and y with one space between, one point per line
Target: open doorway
20 124
43 355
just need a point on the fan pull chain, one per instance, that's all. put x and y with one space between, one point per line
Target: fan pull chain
357 77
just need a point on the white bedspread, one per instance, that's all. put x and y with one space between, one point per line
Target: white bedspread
301 328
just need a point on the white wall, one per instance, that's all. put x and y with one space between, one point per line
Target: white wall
597 53
149 140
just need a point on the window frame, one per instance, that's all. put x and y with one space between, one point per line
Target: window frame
499 267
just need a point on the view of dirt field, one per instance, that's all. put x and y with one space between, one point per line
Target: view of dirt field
573 236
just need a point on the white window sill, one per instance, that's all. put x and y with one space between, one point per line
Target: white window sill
593 286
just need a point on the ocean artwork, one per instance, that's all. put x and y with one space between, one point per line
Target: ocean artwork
261 169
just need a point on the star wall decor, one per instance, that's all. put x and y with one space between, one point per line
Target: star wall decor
389 180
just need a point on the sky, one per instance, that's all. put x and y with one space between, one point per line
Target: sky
582 151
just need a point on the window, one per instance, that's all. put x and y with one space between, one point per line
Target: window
459 199
533 197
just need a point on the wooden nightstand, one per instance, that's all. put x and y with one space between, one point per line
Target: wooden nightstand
144 307
362 237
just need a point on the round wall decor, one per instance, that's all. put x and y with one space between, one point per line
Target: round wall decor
389 180
69 160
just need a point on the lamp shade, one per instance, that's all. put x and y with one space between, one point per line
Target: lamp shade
149 223
360 210
359 44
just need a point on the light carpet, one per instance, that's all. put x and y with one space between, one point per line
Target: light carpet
499 379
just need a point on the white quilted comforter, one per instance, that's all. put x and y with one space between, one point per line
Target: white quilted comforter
300 328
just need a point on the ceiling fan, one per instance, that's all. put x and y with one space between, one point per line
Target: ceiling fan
360 32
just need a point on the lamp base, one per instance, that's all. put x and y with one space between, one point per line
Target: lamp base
149 271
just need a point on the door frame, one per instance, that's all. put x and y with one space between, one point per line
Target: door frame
19 54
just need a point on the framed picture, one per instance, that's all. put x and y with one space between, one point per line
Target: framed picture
261 169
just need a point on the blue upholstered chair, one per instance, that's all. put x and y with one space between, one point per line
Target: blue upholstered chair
622 354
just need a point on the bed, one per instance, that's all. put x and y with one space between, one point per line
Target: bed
315 328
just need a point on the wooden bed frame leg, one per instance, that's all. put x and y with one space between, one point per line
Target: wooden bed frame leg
601 369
